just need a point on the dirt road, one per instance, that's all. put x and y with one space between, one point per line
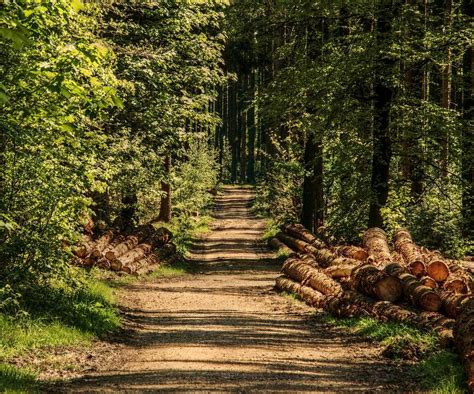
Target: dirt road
225 329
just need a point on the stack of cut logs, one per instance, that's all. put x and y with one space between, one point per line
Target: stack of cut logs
409 284
137 253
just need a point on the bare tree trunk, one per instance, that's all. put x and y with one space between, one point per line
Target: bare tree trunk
382 150
468 134
165 205
251 130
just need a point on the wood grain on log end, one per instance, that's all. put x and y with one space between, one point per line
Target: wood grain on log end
438 270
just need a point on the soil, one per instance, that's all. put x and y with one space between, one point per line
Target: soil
224 328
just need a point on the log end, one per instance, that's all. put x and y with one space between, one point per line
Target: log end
430 301
457 286
438 270
389 289
417 268
429 282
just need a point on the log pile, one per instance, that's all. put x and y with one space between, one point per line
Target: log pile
136 253
407 284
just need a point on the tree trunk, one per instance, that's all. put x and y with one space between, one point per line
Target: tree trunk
411 255
311 276
165 204
251 129
467 142
312 215
382 149
446 91
351 303
375 283
233 137
102 243
129 243
352 252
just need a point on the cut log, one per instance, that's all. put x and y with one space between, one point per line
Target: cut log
436 266
340 271
84 247
437 269
376 244
413 257
373 282
429 281
464 339
277 245
351 303
453 303
352 252
310 296
310 276
414 291
423 297
135 254
456 284
300 232
128 244
296 244
102 243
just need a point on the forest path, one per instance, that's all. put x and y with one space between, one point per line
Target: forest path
223 328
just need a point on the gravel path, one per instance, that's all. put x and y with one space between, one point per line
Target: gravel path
225 329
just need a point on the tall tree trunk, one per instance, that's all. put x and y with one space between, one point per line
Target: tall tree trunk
382 149
251 130
446 91
312 215
468 133
243 129
233 138
165 205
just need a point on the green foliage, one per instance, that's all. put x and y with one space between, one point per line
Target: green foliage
93 96
318 64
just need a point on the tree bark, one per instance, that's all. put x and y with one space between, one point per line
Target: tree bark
251 129
467 140
165 204
382 142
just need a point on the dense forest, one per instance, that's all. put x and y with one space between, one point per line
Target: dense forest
353 114
117 114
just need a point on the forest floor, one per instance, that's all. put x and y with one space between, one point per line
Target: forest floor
223 327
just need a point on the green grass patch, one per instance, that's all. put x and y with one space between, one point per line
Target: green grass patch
441 373
437 371
400 340
179 268
20 335
15 380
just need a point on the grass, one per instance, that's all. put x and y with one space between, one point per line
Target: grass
16 380
436 371
18 336
59 316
